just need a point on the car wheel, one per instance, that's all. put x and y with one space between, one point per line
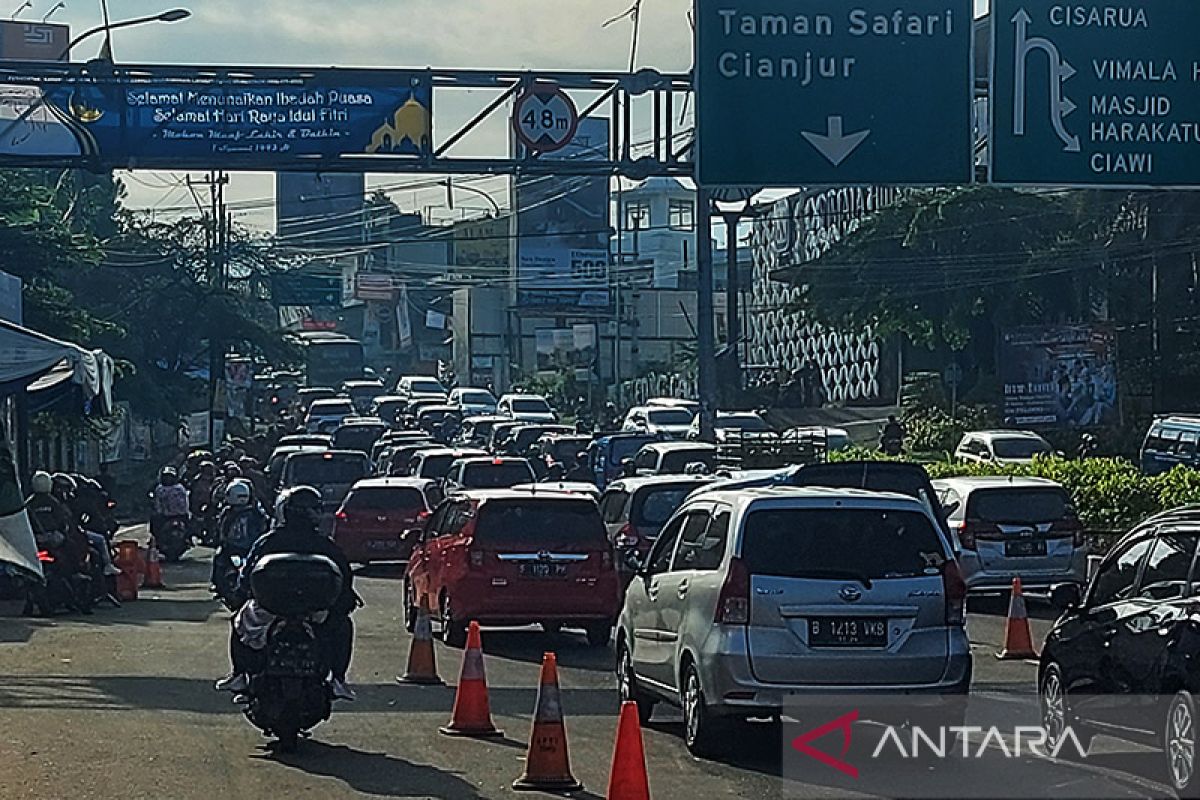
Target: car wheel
454 632
410 609
1057 717
703 734
628 688
1179 744
599 634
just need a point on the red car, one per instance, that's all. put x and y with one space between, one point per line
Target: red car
512 557
370 524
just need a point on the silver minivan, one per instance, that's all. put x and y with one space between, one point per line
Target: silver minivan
753 596
1010 527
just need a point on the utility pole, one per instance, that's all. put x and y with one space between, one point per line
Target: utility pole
706 367
218 257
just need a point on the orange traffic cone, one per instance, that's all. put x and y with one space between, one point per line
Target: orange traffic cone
127 561
472 715
421 666
628 780
153 570
1018 644
547 766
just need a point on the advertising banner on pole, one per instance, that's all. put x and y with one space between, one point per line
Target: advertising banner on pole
1059 376
212 118
563 229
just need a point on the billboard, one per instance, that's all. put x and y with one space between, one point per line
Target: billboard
563 229
1059 376
297 288
319 208
214 118
481 246
33 41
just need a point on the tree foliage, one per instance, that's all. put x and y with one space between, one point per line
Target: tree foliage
943 261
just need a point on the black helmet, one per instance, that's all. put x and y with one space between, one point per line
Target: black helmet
167 476
300 505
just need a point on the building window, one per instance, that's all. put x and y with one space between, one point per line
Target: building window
637 215
681 215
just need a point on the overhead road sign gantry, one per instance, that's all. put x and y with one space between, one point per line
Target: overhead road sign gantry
830 92
1101 96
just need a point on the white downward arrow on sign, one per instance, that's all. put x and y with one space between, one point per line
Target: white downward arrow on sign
835 145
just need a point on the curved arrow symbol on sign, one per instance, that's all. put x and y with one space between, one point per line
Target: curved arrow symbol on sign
835 145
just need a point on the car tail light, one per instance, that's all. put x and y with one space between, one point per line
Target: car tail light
955 590
733 604
1069 526
112 503
972 531
627 537
342 516
423 515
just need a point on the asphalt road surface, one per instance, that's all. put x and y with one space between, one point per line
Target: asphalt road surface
121 705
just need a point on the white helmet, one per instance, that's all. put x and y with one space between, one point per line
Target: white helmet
41 483
238 493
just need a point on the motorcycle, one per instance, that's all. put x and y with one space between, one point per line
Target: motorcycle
64 590
225 579
290 694
174 539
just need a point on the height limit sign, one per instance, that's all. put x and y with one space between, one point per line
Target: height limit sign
544 118
834 92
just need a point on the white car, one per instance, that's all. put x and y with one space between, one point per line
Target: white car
673 422
692 406
325 416
1001 447
526 407
732 422
473 402
420 387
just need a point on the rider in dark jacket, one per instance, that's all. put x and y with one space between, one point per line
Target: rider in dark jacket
296 531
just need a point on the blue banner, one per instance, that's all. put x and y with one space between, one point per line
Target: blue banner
176 118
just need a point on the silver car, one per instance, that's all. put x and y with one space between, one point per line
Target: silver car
1014 527
751 597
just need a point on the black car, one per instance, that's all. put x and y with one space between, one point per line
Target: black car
1123 659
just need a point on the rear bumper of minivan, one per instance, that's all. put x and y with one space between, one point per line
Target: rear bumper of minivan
732 689
979 579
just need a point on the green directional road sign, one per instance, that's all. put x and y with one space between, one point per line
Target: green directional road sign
833 92
1096 95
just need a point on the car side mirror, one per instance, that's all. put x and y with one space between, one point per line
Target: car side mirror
1066 596
633 562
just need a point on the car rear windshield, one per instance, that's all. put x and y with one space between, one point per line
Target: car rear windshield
334 469
669 416
677 460
1018 505
626 447
478 397
566 450
655 506
390 498
531 406
496 476
841 544
1019 447
540 523
332 407
358 437
436 466
428 386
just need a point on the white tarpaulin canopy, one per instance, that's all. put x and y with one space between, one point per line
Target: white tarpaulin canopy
27 359
26 355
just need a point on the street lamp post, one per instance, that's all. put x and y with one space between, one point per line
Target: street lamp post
173 15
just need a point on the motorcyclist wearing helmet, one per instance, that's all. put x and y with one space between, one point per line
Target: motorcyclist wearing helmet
296 530
55 532
66 489
229 471
241 523
170 500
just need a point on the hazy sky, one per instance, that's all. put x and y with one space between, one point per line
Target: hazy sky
533 34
